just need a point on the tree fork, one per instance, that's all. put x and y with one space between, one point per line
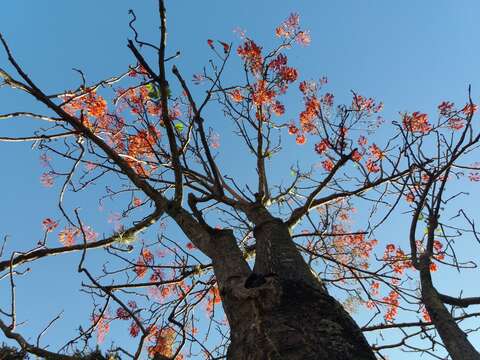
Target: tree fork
282 311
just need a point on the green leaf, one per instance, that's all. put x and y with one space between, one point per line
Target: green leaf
149 87
153 93
179 127
420 217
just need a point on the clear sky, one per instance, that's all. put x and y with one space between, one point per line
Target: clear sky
410 54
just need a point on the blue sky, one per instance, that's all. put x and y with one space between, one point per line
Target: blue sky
410 54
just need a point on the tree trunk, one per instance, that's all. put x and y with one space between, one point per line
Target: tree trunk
454 338
282 311
298 322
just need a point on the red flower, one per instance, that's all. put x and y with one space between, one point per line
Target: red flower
67 236
328 165
47 179
140 268
469 109
96 105
102 326
392 301
410 198
456 123
226 47
303 38
322 146
252 54
49 225
278 63
132 304
417 122
312 107
122 314
372 166
134 329
360 103
445 108
362 141
327 99
474 176
376 152
278 108
425 315
261 94
390 248
300 139
288 28
292 129
356 156
236 95
147 255
281 32
288 74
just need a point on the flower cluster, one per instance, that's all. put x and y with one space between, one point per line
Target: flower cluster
283 73
143 263
328 165
416 122
251 53
262 94
94 104
68 235
161 342
469 109
236 95
372 166
47 179
397 259
352 248
362 104
446 108
290 29
102 322
377 154
307 116
392 305
308 88
322 146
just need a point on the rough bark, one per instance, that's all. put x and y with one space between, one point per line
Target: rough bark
286 319
280 310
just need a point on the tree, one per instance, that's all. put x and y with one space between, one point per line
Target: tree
152 142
